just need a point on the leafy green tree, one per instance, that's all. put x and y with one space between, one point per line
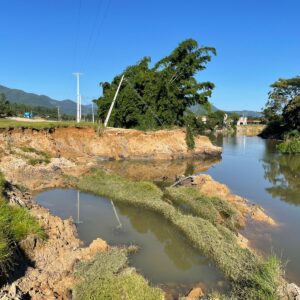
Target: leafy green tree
291 113
4 106
283 91
159 96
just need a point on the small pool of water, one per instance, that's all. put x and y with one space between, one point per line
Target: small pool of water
165 257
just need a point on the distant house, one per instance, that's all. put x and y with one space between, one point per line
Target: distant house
242 121
254 121
204 119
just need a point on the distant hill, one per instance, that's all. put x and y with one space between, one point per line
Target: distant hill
198 109
247 113
18 96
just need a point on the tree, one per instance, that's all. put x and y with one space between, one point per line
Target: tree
282 93
291 113
4 106
160 95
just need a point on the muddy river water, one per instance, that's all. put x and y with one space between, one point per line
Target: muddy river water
250 167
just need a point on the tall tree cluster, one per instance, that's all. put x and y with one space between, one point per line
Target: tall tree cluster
157 96
283 105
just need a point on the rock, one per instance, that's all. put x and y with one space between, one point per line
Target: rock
11 292
97 245
195 294
293 291
30 243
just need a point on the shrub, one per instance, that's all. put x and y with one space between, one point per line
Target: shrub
189 138
290 146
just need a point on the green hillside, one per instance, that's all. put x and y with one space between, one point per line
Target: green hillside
18 96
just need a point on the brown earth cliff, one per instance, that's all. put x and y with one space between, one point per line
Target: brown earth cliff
110 144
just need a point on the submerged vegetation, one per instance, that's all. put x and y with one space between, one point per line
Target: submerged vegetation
107 276
15 225
208 231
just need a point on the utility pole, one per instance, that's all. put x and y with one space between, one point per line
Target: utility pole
113 102
77 74
58 115
80 108
93 117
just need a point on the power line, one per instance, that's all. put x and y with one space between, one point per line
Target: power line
90 51
77 33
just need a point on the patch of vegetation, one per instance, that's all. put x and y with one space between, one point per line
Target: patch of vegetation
290 146
282 111
215 210
263 282
189 138
38 158
214 240
15 224
106 277
10 124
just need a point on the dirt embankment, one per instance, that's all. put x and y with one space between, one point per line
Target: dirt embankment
250 130
50 267
112 143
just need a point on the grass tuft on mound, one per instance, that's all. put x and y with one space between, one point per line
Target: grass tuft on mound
215 210
106 277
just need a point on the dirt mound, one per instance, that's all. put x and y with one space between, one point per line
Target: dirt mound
211 188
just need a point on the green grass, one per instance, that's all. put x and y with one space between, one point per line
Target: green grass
106 276
38 157
214 240
215 210
15 224
5 123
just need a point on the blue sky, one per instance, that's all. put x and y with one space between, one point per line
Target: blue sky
42 42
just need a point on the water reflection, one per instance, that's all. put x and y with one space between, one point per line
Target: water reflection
166 170
283 171
252 168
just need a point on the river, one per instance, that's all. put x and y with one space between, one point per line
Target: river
250 166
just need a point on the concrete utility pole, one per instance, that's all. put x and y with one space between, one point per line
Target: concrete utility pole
93 117
77 74
58 115
113 102
80 108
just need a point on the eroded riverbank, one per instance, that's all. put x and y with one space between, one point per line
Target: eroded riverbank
64 172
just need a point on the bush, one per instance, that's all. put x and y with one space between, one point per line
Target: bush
290 146
189 138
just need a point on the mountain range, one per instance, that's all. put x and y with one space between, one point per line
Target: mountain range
18 96
199 109
69 107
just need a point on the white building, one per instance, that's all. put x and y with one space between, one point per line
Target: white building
242 121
